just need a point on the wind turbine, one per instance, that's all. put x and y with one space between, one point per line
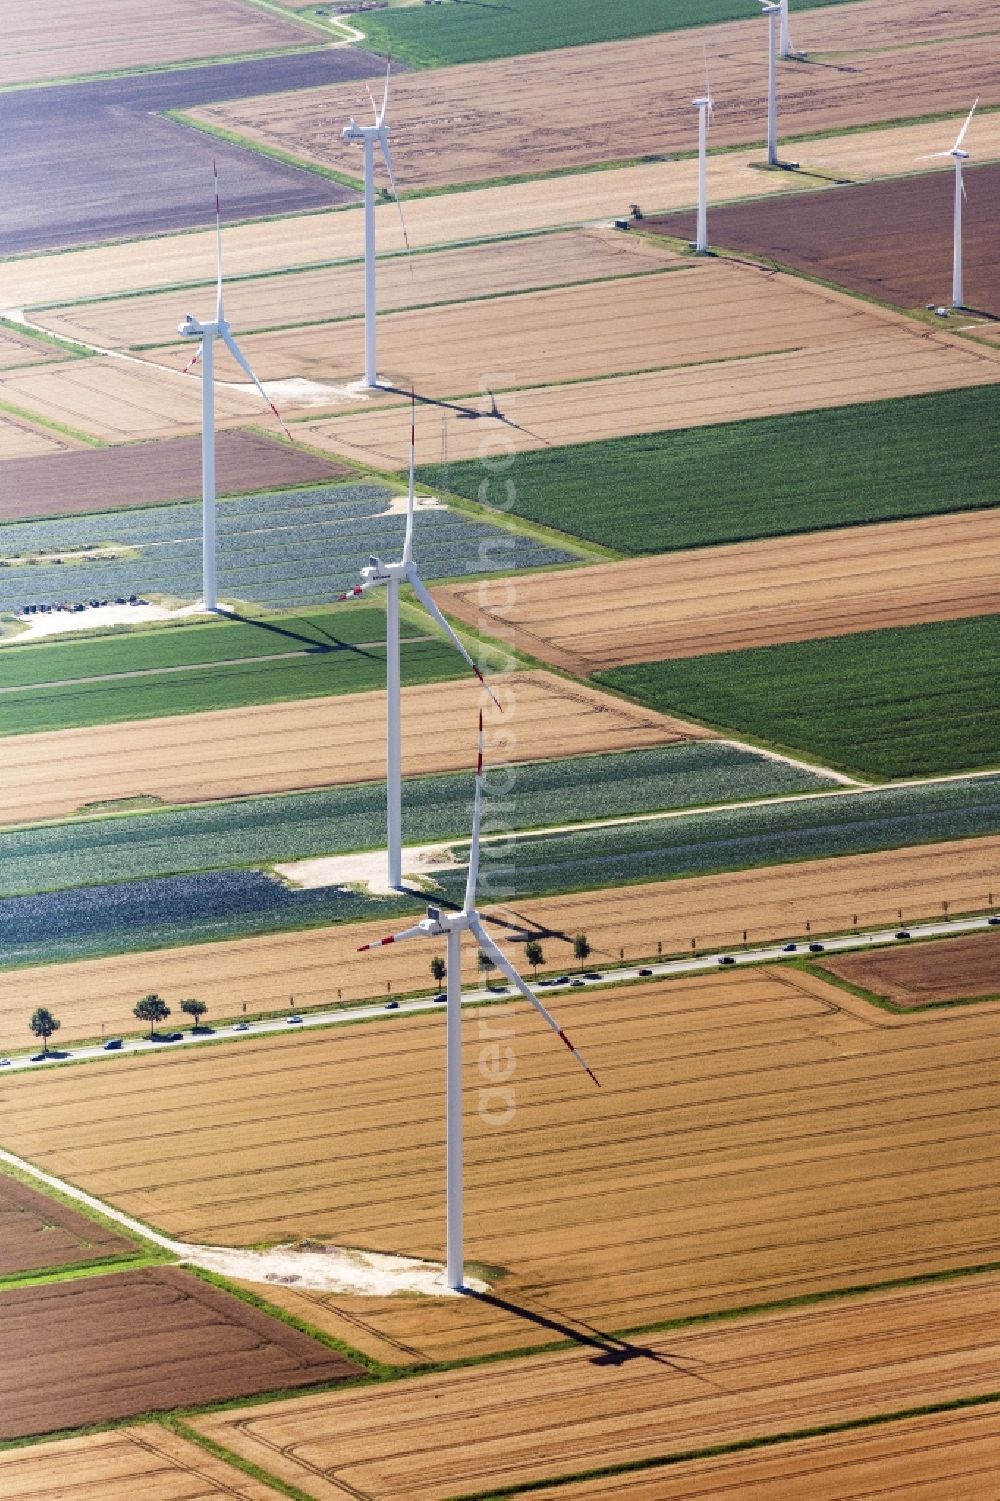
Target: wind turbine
772 11
392 575
704 108
452 925
785 45
219 328
368 135
958 156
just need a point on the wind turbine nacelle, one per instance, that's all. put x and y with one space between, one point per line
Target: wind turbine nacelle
352 131
432 924
374 573
190 328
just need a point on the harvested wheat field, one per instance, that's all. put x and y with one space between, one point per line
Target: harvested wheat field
320 966
889 240
946 1455
18 349
953 969
670 1394
149 473
748 594
144 1461
296 298
901 359
22 440
106 1347
38 1232
753 1140
63 40
493 100
123 400
700 311
319 742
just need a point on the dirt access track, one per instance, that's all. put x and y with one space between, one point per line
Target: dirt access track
757 1137
38 1232
747 594
318 965
146 1461
888 240
483 120
150 473
622 1401
318 742
954 969
65 40
100 1348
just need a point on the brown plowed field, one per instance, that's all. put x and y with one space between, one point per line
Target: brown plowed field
106 1347
465 1432
147 473
123 401
889 240
316 742
753 1140
773 902
900 360
37 1231
953 969
65 40
749 593
310 297
936 1458
467 124
146 1463
699 312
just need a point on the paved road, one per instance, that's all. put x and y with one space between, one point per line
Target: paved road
771 954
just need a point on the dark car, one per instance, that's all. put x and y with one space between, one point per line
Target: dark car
790 948
392 1005
815 948
293 1021
726 959
903 933
645 971
593 974
113 1045
561 980
442 996
994 922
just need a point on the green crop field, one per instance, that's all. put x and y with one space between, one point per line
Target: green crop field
260 831
463 31
767 477
171 672
915 701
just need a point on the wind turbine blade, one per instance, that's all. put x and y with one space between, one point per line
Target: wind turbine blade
968 122
371 97
504 965
408 539
380 943
385 92
194 358
473 876
384 139
414 580
238 356
931 155
218 246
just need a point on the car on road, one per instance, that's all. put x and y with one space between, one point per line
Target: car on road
790 948
593 974
4 1063
903 933
294 1021
441 996
241 1026
113 1045
726 959
993 922
392 1006
645 971
561 980
815 948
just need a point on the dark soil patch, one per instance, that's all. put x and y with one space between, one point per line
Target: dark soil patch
147 473
889 240
102 1348
39 1232
954 969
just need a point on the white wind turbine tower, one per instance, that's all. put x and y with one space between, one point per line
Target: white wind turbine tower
958 155
219 328
704 108
452 925
368 135
785 45
772 12
392 575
